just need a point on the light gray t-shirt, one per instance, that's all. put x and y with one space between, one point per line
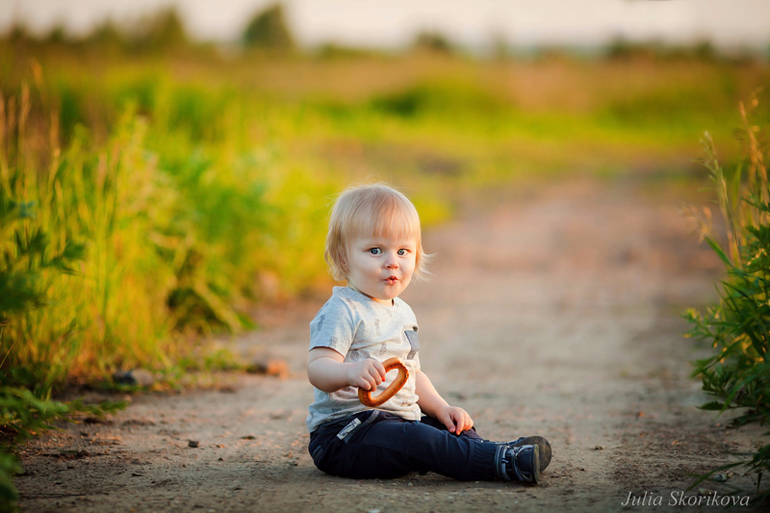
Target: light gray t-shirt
358 327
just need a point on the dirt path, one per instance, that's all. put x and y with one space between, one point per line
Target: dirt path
555 314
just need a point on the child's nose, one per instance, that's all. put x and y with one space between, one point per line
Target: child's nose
392 263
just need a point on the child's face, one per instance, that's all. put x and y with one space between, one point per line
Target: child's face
381 268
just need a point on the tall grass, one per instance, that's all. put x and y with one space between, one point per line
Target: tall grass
737 374
168 243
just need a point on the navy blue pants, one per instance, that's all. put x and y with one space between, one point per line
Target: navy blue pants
377 444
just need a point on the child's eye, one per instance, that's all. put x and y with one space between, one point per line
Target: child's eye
402 252
375 251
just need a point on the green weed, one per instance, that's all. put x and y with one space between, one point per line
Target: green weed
737 374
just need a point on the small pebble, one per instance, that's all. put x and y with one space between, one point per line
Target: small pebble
599 448
720 477
193 443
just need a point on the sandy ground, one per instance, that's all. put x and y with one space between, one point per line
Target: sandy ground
556 313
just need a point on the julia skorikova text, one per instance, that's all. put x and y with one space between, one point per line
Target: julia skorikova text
680 498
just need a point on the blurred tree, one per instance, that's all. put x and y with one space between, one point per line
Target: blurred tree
268 30
166 31
56 35
622 49
18 33
158 32
704 51
433 42
106 36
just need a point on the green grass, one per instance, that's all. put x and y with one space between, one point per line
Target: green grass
737 375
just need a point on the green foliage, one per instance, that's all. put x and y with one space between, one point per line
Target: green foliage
23 414
441 98
650 105
119 253
737 374
25 259
268 30
9 468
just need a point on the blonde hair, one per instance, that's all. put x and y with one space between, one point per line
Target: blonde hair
371 210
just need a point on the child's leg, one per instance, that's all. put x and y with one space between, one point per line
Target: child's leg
543 445
387 446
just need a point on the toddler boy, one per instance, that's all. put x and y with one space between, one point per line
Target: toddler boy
374 242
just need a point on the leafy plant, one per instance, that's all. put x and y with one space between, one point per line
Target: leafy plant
9 467
737 374
21 416
26 271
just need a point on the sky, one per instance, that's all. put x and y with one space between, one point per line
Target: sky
394 23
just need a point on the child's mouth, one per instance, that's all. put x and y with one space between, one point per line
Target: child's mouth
392 280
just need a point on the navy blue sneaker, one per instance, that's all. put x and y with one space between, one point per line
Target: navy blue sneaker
518 462
544 448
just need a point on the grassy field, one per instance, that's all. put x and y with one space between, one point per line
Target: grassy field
149 199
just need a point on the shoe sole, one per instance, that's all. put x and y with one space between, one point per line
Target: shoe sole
535 464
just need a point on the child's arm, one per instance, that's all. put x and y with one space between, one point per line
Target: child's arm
327 371
432 404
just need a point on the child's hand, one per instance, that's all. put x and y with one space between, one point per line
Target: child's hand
366 374
455 419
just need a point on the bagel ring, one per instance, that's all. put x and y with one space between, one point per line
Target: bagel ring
365 396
